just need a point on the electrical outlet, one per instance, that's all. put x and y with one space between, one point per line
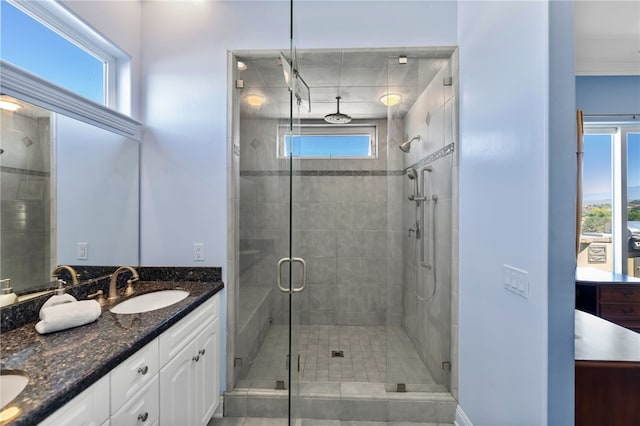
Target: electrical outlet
516 281
83 251
198 251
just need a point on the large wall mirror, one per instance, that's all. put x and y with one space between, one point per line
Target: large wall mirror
70 195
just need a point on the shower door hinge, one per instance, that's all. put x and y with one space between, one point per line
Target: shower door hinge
237 362
446 365
239 84
448 81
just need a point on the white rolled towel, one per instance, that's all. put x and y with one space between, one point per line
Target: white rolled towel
68 315
56 300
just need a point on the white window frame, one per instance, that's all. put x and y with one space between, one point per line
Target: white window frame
619 198
23 85
59 19
327 130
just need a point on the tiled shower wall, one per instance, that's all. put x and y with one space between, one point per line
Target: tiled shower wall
26 250
427 304
342 227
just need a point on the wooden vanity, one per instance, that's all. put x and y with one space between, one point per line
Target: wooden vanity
607 367
614 297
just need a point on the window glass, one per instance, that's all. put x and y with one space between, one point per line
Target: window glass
596 250
329 141
633 203
328 145
29 44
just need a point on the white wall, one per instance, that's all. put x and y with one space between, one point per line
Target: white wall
504 206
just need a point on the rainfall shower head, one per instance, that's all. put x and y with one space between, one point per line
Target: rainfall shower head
406 146
337 117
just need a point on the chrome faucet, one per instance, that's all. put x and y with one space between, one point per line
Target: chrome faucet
113 294
69 269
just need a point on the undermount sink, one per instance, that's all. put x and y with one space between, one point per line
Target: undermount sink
149 301
12 382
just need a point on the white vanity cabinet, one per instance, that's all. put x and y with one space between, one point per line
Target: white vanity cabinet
189 380
90 408
173 380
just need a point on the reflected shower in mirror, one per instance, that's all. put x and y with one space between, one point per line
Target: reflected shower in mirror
69 193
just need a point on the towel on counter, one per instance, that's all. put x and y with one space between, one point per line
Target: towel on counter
68 315
56 300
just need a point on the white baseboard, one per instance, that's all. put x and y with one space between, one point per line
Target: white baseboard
220 409
461 418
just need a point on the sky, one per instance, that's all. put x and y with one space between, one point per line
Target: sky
596 174
37 49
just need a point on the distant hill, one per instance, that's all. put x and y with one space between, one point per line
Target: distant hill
633 194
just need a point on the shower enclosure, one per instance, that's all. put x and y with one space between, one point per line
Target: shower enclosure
340 282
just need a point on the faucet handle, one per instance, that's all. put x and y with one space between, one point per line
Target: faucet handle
99 296
129 290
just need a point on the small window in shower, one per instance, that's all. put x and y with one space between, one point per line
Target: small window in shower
328 141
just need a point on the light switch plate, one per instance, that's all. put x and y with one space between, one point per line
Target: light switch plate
516 281
83 251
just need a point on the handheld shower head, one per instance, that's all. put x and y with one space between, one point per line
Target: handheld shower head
406 146
412 173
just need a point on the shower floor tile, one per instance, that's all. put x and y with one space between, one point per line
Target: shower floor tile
375 354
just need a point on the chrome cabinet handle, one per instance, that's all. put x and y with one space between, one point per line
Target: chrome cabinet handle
143 370
196 358
201 351
304 274
143 417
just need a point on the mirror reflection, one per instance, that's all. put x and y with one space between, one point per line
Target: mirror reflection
69 193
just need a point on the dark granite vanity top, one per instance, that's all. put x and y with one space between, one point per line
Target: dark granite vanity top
63 364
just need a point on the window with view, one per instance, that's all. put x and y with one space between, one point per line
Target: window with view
610 237
34 46
328 141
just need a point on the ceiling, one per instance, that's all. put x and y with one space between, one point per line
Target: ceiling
359 76
607 37
607 42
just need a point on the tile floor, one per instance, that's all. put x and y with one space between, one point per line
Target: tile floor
372 354
264 421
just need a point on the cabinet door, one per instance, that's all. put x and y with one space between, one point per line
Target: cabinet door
207 376
177 389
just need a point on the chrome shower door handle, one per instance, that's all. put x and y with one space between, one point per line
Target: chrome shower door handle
304 274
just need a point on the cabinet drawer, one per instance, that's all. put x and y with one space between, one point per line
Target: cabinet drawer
86 409
181 334
620 310
130 376
143 409
625 293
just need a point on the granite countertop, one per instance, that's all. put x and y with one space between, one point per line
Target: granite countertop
63 364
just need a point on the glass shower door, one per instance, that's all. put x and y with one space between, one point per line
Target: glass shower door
292 270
